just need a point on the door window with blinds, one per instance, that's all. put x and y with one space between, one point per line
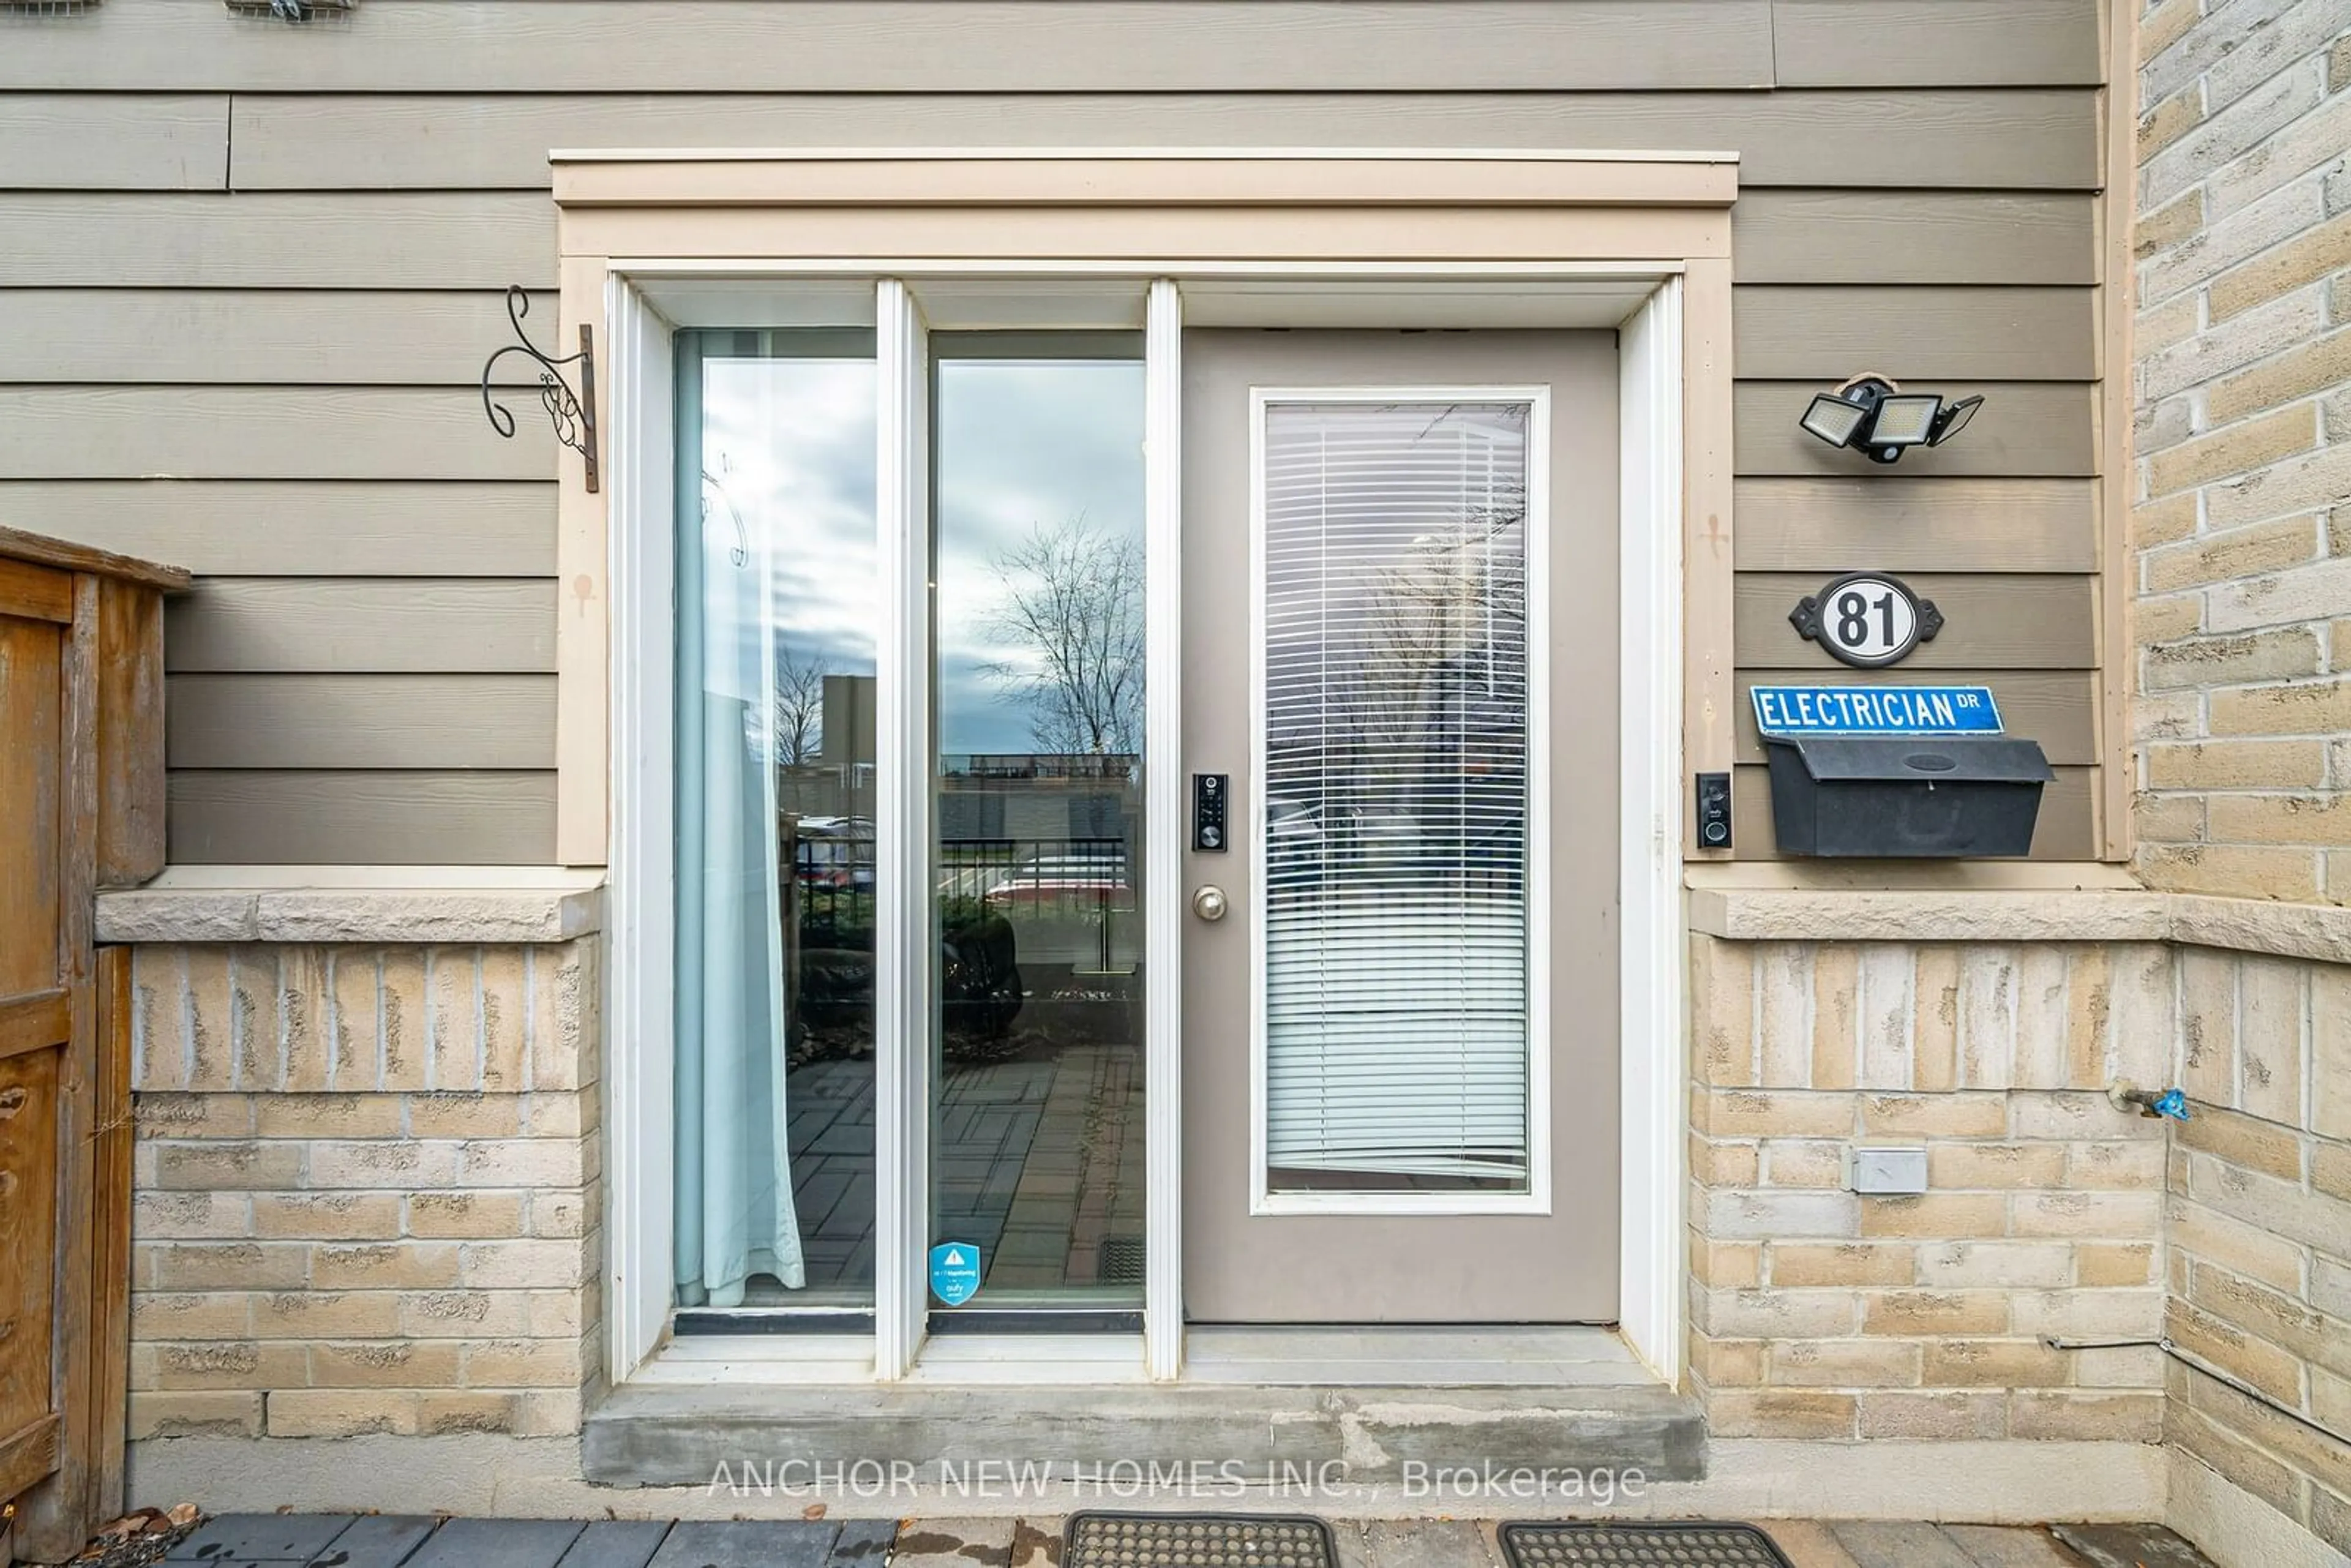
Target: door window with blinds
1399 1006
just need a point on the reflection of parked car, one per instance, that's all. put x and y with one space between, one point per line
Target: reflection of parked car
1057 881
1465 835
1294 840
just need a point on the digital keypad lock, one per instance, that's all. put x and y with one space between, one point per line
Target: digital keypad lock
1211 819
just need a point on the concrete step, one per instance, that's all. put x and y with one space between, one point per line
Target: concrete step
1377 1435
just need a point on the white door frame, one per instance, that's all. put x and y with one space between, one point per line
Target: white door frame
645 299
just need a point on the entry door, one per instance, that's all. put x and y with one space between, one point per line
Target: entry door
1400 1039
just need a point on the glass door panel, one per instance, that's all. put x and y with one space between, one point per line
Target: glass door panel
1395 760
1036 1139
776 605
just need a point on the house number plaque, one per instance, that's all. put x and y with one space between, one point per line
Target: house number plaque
1867 619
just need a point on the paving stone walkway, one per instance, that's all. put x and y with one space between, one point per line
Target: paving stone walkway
343 1540
383 1540
1469 1543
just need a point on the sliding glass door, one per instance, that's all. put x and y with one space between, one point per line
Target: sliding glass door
1019 1142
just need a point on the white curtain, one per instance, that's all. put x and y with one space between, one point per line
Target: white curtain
734 1210
1395 784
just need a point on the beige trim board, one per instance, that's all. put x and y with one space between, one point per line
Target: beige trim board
2117 306
1127 154
853 236
1144 179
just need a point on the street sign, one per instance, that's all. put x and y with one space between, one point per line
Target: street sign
1875 710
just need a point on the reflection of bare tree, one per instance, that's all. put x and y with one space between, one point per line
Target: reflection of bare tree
1419 745
800 708
1074 600
1446 624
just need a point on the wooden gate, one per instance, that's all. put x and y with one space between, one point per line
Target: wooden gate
82 806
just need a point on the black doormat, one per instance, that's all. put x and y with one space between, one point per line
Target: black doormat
1122 1261
1196 1541
1679 1544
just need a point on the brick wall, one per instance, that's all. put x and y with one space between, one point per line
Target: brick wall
2243 443
2260 1229
1819 1314
368 1190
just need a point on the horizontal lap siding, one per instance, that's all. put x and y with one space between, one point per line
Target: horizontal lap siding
249 280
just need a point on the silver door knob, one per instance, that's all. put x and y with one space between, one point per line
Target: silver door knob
1209 902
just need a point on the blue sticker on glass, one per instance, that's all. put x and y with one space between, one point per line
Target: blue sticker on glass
1875 710
955 1272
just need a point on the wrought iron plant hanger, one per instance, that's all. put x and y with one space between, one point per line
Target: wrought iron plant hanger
572 414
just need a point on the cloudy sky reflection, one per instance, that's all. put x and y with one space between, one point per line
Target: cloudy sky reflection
1020 443
790 445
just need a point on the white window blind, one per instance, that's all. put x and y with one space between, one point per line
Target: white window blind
1395 794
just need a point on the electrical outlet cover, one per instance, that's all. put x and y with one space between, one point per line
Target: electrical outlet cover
1889 1171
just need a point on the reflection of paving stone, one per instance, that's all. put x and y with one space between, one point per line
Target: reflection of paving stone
1038 1159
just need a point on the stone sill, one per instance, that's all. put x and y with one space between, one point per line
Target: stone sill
357 904
1738 907
1745 904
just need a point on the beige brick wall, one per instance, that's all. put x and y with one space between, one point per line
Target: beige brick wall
2258 1271
2241 528
1816 1313
368 1189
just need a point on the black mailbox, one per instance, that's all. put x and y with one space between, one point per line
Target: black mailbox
1904 795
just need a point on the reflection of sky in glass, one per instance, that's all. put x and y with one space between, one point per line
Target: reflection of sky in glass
1020 442
789 443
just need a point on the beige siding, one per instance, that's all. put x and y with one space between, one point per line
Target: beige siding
99 142
257 336
342 721
302 529
422 817
362 625
273 240
1927 43
1912 236
1916 525
251 276
1983 139
853 46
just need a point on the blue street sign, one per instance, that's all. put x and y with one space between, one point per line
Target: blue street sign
955 1272
1875 710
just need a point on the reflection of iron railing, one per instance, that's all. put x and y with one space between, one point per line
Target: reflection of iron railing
1028 764
1069 900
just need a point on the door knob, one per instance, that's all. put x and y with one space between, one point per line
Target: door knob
1209 902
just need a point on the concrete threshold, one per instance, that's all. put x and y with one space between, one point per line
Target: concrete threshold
667 1434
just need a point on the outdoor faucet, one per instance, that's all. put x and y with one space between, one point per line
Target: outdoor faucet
2171 1102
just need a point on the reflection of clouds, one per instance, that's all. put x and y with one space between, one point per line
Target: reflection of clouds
1021 441
792 441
